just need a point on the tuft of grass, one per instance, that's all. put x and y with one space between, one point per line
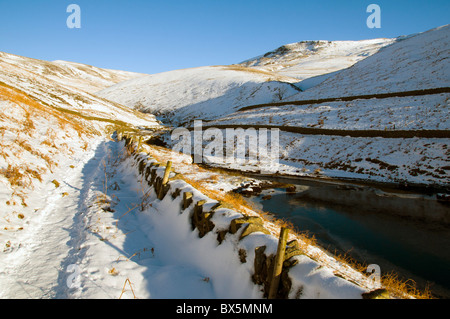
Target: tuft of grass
14 175
56 183
113 272
404 288
33 174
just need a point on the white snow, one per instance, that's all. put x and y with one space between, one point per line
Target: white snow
428 112
76 75
420 161
316 59
412 63
204 92
64 87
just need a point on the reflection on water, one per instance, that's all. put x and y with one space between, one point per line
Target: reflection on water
371 228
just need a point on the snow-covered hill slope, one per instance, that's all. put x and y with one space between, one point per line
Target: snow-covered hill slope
211 92
427 112
314 61
416 62
55 86
46 126
205 92
90 78
75 75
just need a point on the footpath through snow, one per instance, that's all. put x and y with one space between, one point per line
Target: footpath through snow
103 239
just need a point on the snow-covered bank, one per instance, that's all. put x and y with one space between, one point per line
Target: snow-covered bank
222 252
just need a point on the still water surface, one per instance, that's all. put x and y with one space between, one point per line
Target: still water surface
372 226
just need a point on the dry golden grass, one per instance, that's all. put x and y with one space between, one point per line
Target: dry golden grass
22 143
32 108
273 76
270 76
124 290
397 287
21 119
13 174
404 288
20 175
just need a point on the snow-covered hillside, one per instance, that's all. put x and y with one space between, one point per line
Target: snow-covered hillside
427 112
75 75
205 92
314 61
42 119
63 88
211 92
90 78
416 62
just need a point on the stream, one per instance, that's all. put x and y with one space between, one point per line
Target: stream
403 232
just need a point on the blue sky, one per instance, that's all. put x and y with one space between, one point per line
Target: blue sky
155 36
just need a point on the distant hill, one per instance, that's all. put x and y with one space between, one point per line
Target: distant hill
206 92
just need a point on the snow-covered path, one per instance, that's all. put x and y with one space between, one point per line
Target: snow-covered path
76 245
99 235
34 269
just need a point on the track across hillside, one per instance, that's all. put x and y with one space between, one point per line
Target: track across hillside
352 98
338 132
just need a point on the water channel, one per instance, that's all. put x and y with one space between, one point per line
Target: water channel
404 232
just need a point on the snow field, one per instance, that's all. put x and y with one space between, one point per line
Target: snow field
418 161
65 86
35 247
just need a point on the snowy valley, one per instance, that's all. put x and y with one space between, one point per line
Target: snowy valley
80 218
